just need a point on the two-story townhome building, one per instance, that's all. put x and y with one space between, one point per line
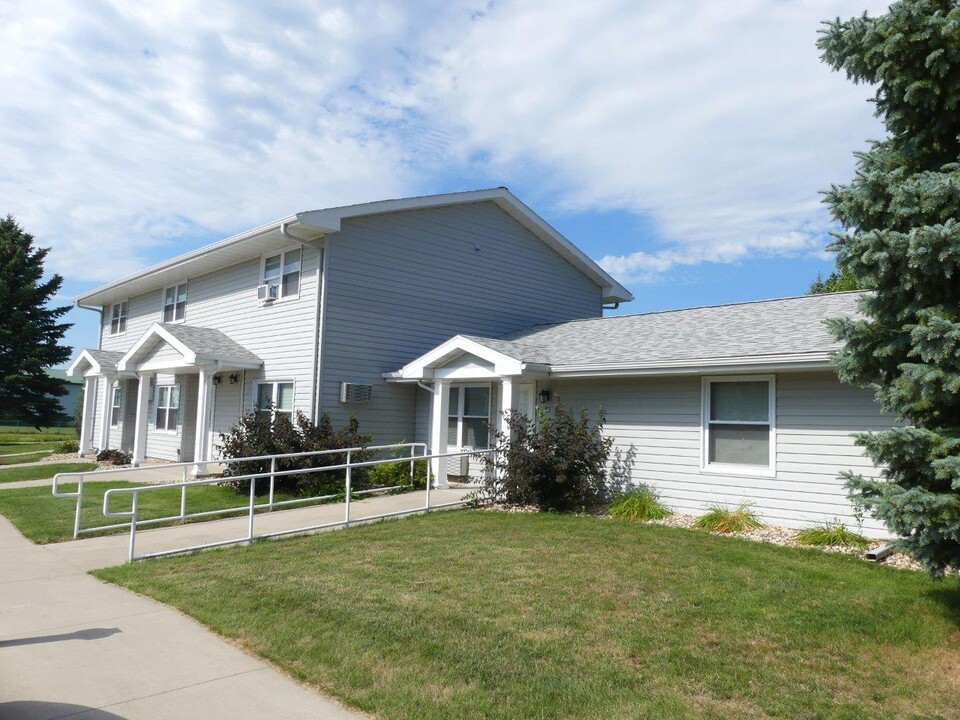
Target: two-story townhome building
308 313
428 318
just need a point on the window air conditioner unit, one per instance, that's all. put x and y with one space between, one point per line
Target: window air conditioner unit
355 393
267 293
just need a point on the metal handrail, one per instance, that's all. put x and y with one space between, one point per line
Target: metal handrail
252 506
183 484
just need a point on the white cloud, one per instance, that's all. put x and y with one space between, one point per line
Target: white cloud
128 128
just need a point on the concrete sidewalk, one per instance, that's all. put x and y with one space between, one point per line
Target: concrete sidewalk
72 646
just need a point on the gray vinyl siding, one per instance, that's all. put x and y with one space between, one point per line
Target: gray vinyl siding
401 283
656 426
281 334
161 352
98 411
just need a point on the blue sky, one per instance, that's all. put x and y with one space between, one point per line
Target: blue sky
682 145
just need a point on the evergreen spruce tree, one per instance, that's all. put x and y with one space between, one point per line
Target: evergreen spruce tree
837 281
29 331
901 236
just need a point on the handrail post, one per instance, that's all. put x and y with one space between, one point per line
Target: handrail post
427 505
183 497
413 460
273 469
426 453
76 516
253 486
346 517
133 525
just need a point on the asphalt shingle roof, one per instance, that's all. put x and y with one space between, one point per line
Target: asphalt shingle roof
106 358
764 328
209 342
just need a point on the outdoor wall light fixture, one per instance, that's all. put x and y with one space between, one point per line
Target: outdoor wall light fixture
234 378
217 379
545 396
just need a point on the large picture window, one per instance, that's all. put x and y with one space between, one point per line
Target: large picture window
738 423
168 407
118 318
175 303
275 398
468 417
283 272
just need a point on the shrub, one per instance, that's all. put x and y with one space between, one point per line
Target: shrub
639 503
398 473
831 533
555 462
722 519
114 457
68 446
255 434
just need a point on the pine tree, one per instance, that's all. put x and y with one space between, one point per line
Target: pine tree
837 281
29 330
901 236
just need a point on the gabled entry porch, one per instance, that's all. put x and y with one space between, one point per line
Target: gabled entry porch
160 396
472 386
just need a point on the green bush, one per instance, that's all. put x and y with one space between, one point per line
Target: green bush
255 434
398 473
639 503
722 519
831 533
114 457
556 461
68 446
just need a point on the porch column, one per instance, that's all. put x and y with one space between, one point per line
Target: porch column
508 402
105 411
204 401
439 410
140 423
89 407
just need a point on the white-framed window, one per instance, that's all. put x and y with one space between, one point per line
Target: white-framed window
275 398
118 318
282 271
116 405
168 407
468 416
739 424
175 303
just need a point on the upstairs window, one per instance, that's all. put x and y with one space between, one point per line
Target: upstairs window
738 423
275 398
168 407
175 303
116 405
282 271
118 318
469 415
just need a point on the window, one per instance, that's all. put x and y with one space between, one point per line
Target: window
738 422
275 398
283 272
118 318
168 407
468 416
175 303
116 403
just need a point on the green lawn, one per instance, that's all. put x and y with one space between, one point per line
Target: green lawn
42 471
24 446
17 459
12 433
473 614
44 518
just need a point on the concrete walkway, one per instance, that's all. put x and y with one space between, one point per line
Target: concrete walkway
72 646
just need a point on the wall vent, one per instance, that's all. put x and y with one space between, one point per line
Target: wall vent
355 393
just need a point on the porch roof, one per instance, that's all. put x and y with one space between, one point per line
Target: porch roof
186 345
787 331
94 362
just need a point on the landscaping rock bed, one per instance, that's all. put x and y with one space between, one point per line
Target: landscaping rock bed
788 538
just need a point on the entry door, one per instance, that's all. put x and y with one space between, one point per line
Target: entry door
526 403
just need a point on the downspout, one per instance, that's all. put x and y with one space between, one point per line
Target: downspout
317 316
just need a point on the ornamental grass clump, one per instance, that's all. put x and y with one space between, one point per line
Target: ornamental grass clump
639 503
723 519
831 533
